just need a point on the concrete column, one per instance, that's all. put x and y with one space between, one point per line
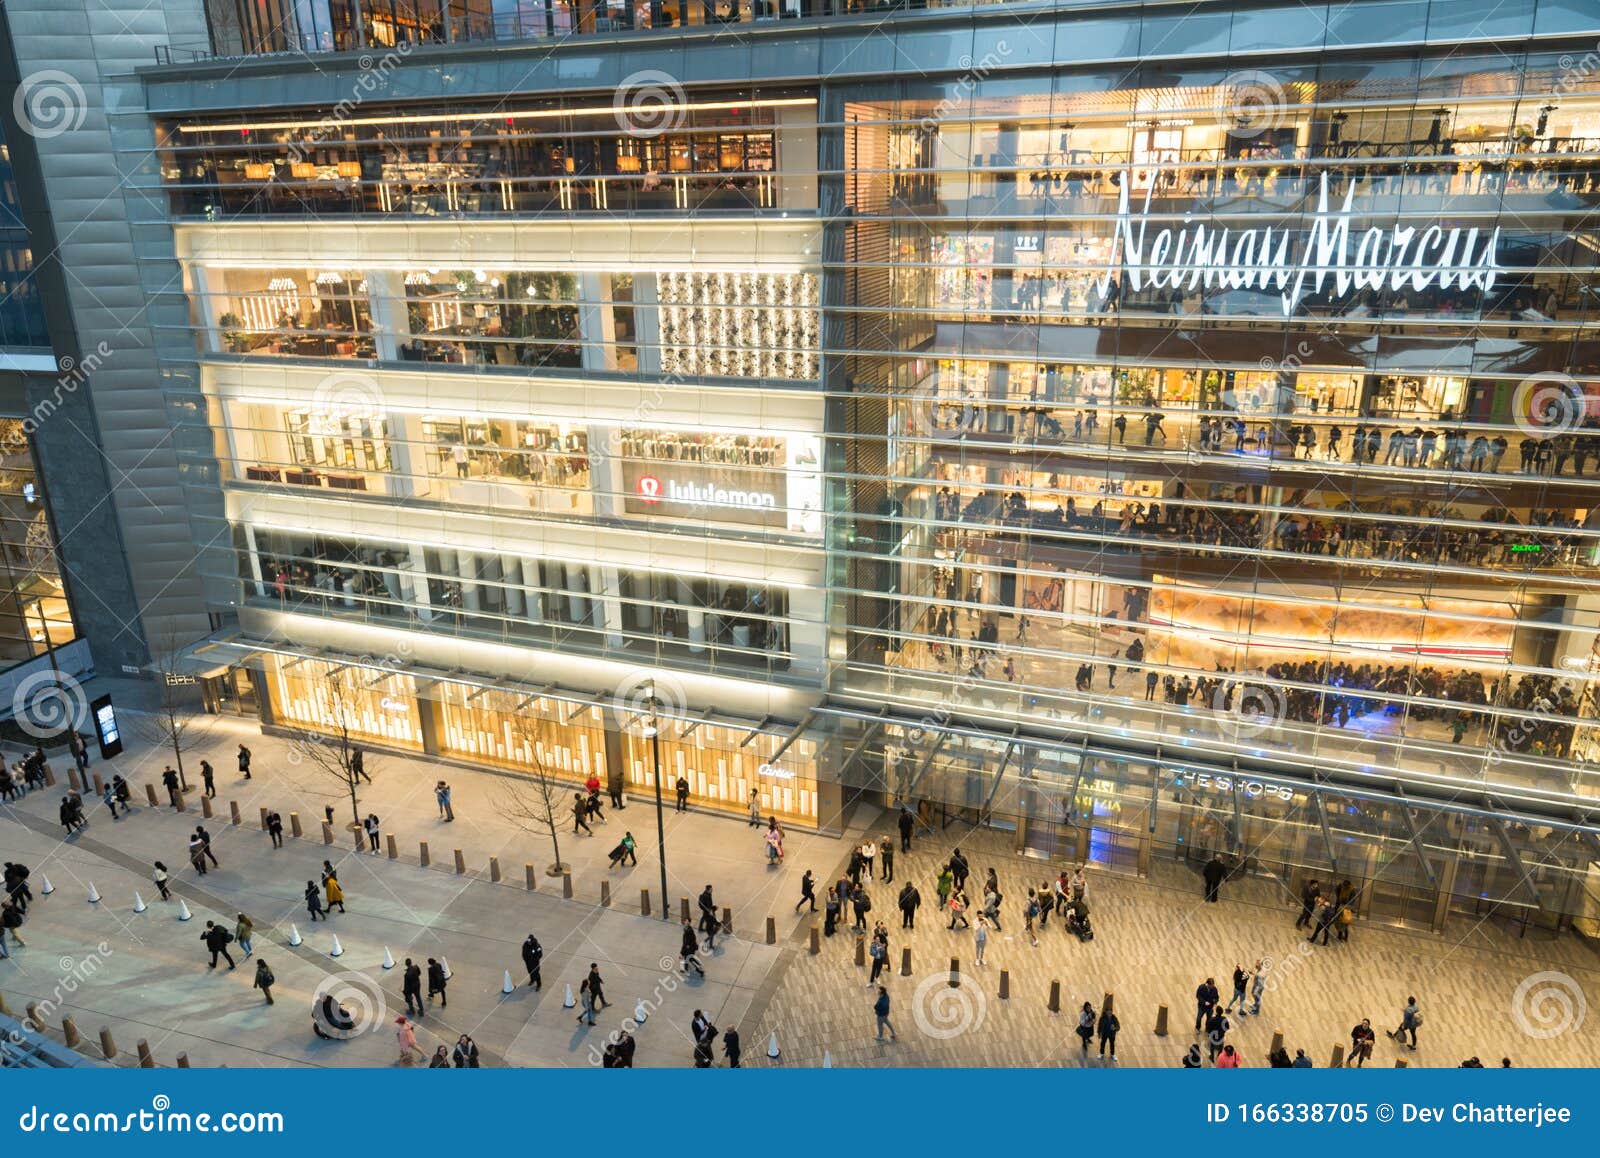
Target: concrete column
511 573
534 596
595 322
467 565
409 456
610 587
386 299
414 585
255 559
647 322
210 335
605 470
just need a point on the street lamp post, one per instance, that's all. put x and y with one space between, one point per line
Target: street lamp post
661 824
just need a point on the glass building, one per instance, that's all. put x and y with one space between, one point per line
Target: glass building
1149 433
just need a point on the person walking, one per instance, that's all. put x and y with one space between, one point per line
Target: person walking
244 933
945 886
1327 914
109 798
586 1003
1217 1027
1085 1029
908 824
358 766
1361 1039
216 938
161 876
910 901
11 918
1258 985
208 777
466 1053
533 961
1030 914
373 829
689 949
169 778
264 980
205 845
1410 1020
886 852
958 910
880 1011
244 761
755 808
682 789
411 987
1310 892
878 950
275 829
406 1038
808 892
980 938
730 1046
1107 1032
313 897
436 983
441 796
330 883
597 985
80 752
1215 873
959 869
197 854
1205 1000
580 813
708 918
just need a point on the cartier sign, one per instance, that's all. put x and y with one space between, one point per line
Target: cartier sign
1334 254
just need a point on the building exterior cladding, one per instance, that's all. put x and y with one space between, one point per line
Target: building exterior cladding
1153 430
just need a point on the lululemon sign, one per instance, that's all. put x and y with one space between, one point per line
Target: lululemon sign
1335 254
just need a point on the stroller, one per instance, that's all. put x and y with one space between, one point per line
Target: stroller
1078 921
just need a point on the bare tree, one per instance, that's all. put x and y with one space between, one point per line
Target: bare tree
335 751
168 726
536 803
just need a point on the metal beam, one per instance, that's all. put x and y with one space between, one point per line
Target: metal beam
755 731
999 774
693 724
1590 842
860 747
1514 859
805 722
1417 846
927 762
1322 821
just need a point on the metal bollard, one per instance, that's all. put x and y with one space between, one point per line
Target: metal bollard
294 826
146 1059
205 806
605 894
861 952
644 902
1161 1021
1054 1004
905 961
393 846
727 921
494 869
461 863
955 973
1336 1061
1005 984
327 833
233 813
264 812
150 795
422 853
772 931
183 1061
108 1044
69 1033
530 877
816 939
566 885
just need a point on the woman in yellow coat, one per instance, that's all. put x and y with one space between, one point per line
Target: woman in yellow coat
330 883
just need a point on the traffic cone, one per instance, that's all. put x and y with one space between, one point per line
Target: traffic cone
183 910
640 1013
388 958
569 1002
506 986
138 902
294 935
444 964
94 894
47 888
338 949
772 1045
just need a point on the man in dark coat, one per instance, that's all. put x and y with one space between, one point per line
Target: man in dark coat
1215 873
532 959
411 988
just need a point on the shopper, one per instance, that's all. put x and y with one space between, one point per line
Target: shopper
406 1038
441 795
217 939
1410 1020
533 961
161 876
411 987
313 897
330 882
1361 1039
275 829
244 933
436 983
1107 1031
1215 873
908 824
682 788
372 827
880 1011
264 980
244 761
910 901
980 938
688 951
208 777
1085 1029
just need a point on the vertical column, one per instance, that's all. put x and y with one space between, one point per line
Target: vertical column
807 633
413 582
409 478
647 323
386 299
255 559
467 562
595 322
511 575
534 595
199 287
609 582
605 470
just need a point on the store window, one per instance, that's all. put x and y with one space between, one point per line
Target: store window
296 312
337 700
722 769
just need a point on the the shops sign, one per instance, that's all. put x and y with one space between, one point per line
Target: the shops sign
1399 257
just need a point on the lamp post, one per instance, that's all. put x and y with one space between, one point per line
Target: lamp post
661 824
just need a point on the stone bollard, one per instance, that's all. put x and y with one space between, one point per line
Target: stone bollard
955 973
99 785
327 833
530 877
772 931
1161 1021
1054 1005
861 952
1277 1042
393 846
816 939
683 908
1400 1063
183 805
233 813
205 807
4 1008
150 795
69 1033
1005 984
422 853
294 826
605 894
1336 1060
461 863
264 812
72 780
905 961
360 835
566 886
108 1044
494 870
644 902
146 1060
183 1061
49 777
727 920
1108 1003
33 1015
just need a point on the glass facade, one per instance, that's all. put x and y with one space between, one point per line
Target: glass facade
1150 461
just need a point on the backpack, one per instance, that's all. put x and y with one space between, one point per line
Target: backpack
268 979
866 904
227 937
1416 1018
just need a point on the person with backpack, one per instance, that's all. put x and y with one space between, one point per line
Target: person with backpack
1030 913
372 827
244 761
861 903
1107 1030
10 922
265 980
217 939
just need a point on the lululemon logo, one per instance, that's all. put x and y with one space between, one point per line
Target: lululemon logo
650 488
